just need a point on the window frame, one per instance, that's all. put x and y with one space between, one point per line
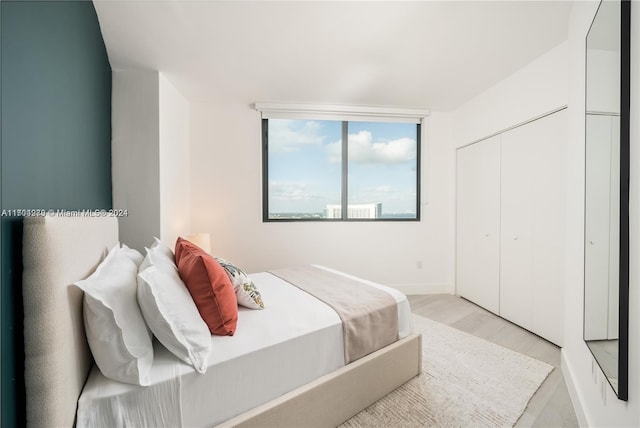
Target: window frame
370 115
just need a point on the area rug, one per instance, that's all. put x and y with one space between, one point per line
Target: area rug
465 382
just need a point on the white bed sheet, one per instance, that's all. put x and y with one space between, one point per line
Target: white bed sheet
293 341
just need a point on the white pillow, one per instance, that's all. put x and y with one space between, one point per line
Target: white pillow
133 254
158 254
173 317
119 339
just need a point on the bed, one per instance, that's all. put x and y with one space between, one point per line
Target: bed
239 388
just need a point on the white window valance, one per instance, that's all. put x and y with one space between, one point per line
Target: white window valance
342 113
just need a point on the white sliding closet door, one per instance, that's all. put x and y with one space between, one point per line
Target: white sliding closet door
511 196
516 232
533 219
478 223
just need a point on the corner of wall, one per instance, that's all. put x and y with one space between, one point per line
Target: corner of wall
135 149
175 177
150 152
574 392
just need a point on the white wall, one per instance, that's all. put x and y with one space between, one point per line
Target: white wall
537 88
135 155
595 403
150 157
227 202
175 193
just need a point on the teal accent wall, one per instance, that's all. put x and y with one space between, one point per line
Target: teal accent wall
55 144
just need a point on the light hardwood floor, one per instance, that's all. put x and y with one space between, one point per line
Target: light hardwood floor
550 406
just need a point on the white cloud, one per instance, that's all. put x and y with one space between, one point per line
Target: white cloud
384 189
288 191
363 150
284 136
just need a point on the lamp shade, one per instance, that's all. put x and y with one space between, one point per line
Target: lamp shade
202 240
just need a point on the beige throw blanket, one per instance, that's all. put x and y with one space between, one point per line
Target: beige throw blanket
369 315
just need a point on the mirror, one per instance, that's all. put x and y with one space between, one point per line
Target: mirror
606 258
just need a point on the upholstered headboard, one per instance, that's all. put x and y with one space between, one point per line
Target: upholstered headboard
57 251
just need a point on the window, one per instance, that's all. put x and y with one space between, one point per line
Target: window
314 168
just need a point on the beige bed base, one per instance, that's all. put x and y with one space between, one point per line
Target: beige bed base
58 251
337 396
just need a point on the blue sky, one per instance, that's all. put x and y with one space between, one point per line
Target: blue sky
305 165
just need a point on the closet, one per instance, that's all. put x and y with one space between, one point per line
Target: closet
510 217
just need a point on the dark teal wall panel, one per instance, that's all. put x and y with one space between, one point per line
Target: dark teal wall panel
55 143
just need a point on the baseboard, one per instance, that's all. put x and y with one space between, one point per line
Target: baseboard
413 289
574 393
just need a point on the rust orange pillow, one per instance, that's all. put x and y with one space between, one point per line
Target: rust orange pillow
210 287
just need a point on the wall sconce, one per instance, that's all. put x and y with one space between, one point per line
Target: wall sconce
202 240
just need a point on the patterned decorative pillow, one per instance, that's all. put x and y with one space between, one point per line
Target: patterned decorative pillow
246 291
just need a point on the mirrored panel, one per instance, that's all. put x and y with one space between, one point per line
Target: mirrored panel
607 192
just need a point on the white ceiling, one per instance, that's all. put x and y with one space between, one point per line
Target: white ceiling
423 54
